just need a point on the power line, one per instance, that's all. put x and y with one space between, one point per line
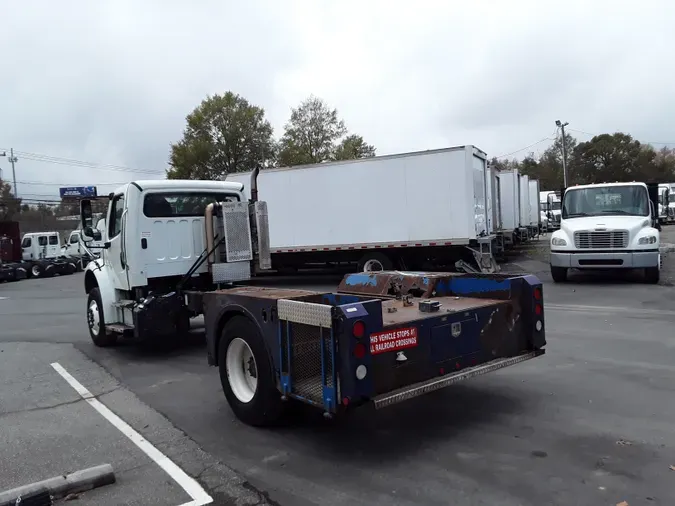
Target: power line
549 138
38 157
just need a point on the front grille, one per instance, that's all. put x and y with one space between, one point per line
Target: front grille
614 239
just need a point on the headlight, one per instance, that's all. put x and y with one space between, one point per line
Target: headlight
556 241
648 239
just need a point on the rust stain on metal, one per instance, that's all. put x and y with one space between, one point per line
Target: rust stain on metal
394 283
267 293
449 305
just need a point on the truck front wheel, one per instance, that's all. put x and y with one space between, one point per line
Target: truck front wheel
96 322
247 374
374 262
559 274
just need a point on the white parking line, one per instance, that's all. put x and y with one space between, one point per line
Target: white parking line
190 485
609 309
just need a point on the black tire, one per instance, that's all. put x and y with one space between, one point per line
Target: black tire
375 257
36 271
266 407
559 274
101 338
652 275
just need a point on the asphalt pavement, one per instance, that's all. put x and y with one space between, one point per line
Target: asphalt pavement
590 422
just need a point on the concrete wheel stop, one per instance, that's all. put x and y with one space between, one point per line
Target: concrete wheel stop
42 493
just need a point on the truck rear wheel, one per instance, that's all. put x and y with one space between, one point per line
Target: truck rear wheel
559 274
374 262
36 271
247 374
96 322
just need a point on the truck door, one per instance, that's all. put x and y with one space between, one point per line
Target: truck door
115 254
26 247
53 246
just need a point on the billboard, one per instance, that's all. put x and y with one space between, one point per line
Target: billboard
78 192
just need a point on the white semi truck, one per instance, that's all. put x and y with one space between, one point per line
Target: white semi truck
410 211
607 226
175 249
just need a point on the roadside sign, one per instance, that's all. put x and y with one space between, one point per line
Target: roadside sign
77 192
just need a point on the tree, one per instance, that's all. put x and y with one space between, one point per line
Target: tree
314 134
224 134
353 147
9 205
609 157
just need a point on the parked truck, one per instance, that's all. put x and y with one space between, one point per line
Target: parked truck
176 249
663 203
11 267
550 202
420 210
42 255
535 216
512 194
608 226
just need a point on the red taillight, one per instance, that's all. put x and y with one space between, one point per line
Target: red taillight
360 350
538 309
345 401
537 293
359 329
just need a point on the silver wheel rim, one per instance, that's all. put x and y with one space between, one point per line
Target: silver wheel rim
242 370
373 265
35 270
93 318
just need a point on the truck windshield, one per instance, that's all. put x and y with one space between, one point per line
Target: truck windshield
606 200
182 204
671 198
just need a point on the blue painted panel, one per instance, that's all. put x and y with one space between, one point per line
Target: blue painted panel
360 279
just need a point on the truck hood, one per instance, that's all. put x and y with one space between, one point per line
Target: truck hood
630 223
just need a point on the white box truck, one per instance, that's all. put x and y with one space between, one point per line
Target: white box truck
525 203
411 210
535 215
511 188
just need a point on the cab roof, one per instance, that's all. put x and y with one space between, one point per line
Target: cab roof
183 184
595 185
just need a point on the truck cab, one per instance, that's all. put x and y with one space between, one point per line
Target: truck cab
607 226
550 203
155 244
41 245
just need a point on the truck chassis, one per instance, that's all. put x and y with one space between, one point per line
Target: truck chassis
381 338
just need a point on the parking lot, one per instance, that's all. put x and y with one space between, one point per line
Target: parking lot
590 422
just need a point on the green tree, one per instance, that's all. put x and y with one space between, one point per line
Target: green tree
353 147
224 134
610 157
314 134
9 205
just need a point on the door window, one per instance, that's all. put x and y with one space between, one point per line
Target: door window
26 242
42 240
53 240
74 239
116 210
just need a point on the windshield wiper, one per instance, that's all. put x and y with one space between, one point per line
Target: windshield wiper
576 215
615 211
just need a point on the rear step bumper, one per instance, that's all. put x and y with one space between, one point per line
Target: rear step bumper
403 394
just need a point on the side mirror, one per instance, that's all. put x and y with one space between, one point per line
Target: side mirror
89 233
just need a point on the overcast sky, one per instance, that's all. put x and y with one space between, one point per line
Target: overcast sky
111 82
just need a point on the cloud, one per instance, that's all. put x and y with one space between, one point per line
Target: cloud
112 81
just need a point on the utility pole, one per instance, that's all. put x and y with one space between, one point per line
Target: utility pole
12 159
562 126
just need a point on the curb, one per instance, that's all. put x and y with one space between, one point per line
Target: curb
60 486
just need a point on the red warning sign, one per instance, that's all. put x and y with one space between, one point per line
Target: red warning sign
393 340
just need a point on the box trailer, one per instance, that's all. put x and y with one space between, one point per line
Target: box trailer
411 210
525 217
535 212
510 182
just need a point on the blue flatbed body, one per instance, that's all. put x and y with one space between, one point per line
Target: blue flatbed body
386 337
